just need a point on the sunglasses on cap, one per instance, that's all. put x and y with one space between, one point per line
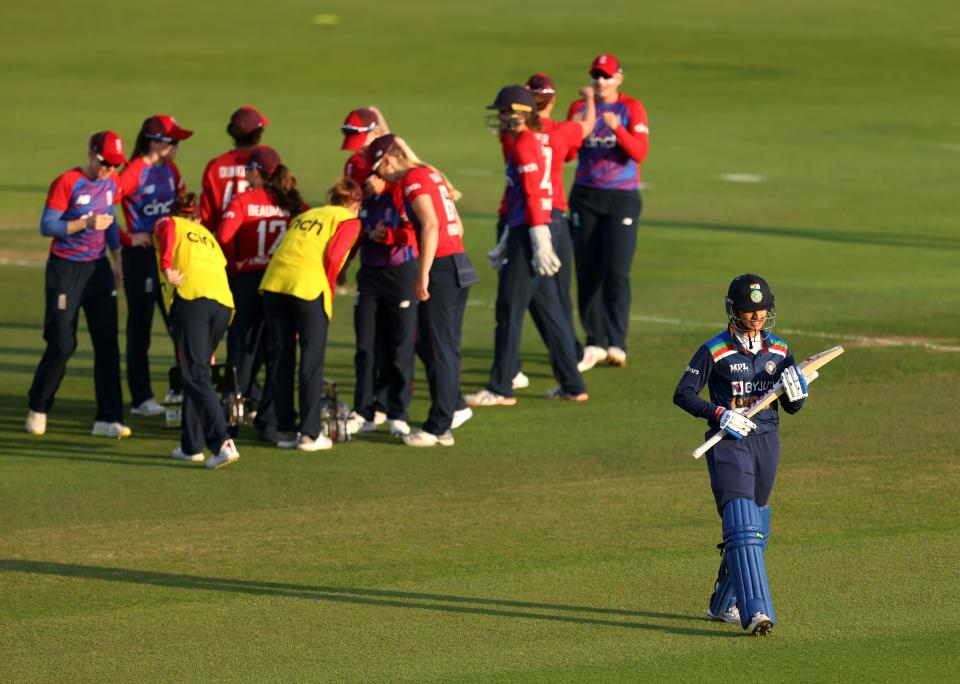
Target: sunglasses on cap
353 130
598 75
164 138
105 163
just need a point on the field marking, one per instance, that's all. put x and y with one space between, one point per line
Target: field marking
741 177
861 340
4 261
950 147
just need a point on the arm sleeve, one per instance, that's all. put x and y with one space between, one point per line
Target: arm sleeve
635 141
51 225
165 233
530 167
790 407
694 379
230 222
338 249
112 234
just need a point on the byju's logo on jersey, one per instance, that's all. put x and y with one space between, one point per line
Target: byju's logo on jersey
736 388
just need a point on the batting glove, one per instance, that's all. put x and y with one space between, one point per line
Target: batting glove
497 256
736 423
545 260
794 384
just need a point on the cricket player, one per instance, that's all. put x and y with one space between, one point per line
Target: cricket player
444 277
80 217
527 259
605 207
739 365
150 185
197 296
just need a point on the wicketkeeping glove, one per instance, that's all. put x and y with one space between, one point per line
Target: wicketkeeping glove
545 260
794 384
496 257
736 423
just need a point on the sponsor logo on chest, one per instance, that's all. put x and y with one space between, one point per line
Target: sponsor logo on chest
739 367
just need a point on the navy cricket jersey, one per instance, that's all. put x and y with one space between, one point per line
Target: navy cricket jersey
736 379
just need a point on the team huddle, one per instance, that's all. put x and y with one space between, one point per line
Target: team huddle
248 259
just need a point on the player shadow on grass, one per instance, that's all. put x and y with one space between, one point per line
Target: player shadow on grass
59 450
443 603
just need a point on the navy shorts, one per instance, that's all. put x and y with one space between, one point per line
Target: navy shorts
744 468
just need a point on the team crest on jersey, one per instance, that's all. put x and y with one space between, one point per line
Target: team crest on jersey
770 367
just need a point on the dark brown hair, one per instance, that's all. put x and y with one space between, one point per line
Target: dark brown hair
345 191
281 185
186 205
543 99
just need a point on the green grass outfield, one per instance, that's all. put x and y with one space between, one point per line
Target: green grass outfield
553 542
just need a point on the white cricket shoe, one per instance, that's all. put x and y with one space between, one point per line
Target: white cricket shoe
732 616
558 393
592 355
760 625
181 455
379 418
460 417
173 397
228 454
487 398
150 407
421 438
36 423
616 357
357 423
398 428
520 381
102 428
306 443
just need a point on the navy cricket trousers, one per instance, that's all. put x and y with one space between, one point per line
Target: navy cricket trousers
604 230
743 468
439 328
518 289
70 286
245 336
385 323
288 317
197 326
141 285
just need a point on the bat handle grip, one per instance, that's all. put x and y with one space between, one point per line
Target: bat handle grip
708 445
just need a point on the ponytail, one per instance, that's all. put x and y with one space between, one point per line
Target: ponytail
282 188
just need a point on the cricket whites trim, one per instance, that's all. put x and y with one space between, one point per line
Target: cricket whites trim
809 365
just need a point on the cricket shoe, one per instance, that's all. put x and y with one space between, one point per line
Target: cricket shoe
487 398
173 397
102 428
422 438
398 428
558 393
307 443
520 381
36 423
182 455
732 616
592 355
150 407
379 418
617 357
357 423
288 440
760 625
228 454
460 417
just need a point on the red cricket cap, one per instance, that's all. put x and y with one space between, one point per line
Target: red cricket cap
377 149
164 127
541 83
246 120
359 170
606 64
108 148
355 127
266 159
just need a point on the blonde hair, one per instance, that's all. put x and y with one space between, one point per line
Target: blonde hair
402 151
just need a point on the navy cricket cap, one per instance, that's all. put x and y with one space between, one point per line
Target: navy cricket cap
514 98
377 149
749 292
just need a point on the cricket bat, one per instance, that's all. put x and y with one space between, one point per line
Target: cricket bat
809 365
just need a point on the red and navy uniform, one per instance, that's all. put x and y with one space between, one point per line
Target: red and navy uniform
605 207
78 275
385 316
440 318
528 202
737 378
223 178
250 229
148 195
